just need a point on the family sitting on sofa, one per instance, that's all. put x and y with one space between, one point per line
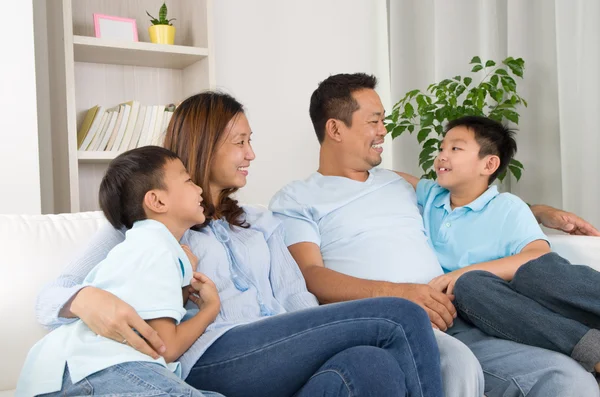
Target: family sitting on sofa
477 315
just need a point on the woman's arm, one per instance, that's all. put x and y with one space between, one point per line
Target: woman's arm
289 286
54 301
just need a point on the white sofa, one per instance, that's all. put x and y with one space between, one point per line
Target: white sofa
34 249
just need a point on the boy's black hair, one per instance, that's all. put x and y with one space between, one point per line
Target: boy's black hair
493 138
127 180
333 99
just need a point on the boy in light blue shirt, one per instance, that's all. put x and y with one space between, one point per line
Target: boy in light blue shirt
148 191
496 259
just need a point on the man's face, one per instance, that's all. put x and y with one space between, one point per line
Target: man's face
458 163
362 142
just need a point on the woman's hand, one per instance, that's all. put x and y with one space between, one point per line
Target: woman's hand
109 316
193 258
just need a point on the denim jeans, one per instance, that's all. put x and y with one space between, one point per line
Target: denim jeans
132 379
549 305
371 347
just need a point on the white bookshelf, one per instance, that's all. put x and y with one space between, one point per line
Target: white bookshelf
76 71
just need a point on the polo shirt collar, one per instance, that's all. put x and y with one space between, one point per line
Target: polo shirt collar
443 200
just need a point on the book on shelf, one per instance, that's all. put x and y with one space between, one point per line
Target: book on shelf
123 127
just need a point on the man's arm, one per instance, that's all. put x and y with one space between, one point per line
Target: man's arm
330 286
562 220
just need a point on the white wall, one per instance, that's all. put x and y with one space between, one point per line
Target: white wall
271 54
19 165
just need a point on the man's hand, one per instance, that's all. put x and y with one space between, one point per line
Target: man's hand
193 258
445 282
109 316
204 293
438 305
563 221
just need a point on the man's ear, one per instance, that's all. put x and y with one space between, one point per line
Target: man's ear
332 129
155 201
491 165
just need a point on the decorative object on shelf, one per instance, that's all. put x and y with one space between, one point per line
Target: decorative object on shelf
495 97
161 31
115 28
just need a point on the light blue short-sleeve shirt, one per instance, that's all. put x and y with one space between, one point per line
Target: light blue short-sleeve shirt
371 230
494 226
147 271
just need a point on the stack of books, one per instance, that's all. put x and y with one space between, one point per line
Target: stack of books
124 127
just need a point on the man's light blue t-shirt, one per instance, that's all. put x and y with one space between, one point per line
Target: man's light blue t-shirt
492 227
147 271
371 230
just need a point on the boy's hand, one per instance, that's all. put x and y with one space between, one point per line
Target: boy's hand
204 293
193 258
445 282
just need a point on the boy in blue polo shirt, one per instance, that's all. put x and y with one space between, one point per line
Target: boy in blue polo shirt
149 192
496 259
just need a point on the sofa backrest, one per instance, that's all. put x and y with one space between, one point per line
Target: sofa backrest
34 250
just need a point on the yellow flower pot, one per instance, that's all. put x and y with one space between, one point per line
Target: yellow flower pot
162 34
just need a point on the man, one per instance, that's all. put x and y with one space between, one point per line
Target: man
356 232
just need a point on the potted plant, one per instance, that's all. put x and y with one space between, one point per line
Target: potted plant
495 96
161 31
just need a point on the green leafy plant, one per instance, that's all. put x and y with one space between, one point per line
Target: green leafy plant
426 112
162 17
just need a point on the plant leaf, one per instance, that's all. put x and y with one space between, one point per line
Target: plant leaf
411 128
423 134
501 71
409 111
516 171
397 131
467 81
476 68
490 63
475 60
433 142
427 165
516 163
162 13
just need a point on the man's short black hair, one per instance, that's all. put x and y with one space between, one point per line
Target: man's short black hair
127 180
333 99
492 137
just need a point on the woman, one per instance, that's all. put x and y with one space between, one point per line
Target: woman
262 342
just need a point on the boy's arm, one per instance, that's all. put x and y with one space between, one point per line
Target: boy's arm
505 268
179 338
413 180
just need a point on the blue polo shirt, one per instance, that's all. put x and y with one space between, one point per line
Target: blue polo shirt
494 226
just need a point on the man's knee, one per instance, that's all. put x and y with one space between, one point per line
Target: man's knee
568 381
461 372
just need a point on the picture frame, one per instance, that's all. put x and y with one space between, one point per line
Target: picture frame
115 28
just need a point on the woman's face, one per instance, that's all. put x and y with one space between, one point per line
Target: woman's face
230 164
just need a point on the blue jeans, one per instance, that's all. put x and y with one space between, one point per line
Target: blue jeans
372 347
132 379
550 304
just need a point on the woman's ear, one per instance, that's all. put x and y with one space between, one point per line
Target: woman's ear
155 201
332 130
